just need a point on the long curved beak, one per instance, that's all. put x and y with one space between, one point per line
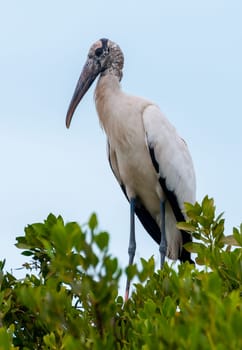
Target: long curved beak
88 75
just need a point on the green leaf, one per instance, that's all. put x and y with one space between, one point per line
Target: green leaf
218 229
186 226
150 307
197 235
238 235
92 223
131 271
21 243
4 339
52 220
193 211
169 307
208 208
205 223
2 264
27 253
194 247
200 260
230 240
111 266
102 240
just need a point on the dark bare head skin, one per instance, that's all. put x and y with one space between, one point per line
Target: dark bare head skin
104 57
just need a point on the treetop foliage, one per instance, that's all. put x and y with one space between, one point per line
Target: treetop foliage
69 296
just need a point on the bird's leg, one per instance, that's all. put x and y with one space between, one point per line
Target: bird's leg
132 243
163 242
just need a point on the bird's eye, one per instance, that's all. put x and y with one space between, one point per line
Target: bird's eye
98 51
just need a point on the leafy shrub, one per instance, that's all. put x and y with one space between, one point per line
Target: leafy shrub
69 296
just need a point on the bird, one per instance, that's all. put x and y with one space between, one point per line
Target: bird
149 159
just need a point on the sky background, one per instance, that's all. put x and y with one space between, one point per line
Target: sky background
186 56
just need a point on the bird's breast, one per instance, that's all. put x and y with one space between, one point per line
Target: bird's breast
121 117
137 174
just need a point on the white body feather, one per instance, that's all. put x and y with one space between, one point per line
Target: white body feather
132 125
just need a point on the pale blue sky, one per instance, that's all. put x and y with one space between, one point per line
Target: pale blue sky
184 55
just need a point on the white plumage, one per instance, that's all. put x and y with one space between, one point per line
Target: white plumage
148 158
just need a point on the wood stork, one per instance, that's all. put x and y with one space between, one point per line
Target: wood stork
149 159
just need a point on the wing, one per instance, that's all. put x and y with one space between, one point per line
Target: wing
172 162
144 216
170 157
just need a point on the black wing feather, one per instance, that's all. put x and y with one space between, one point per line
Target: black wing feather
172 199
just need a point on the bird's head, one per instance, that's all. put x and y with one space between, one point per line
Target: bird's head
104 57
